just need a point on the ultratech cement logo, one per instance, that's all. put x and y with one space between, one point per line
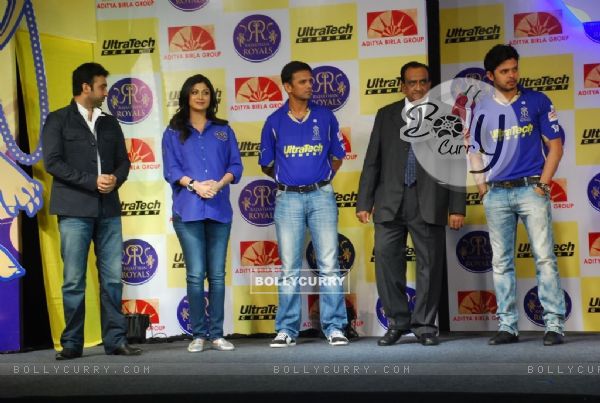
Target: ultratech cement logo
132 46
327 33
347 140
594 305
381 85
249 148
346 199
477 302
140 207
178 262
560 250
257 312
590 136
191 42
477 33
546 83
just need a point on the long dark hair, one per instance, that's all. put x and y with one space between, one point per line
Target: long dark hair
180 120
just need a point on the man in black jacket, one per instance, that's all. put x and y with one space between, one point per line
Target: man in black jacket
84 150
404 198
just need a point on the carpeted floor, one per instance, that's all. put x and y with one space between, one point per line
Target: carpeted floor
462 366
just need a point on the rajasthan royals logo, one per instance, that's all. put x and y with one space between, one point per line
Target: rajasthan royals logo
130 100
411 296
346 255
188 5
331 87
183 314
139 261
474 252
256 38
535 311
257 202
593 192
385 24
592 30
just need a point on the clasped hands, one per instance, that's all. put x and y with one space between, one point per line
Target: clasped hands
207 189
106 183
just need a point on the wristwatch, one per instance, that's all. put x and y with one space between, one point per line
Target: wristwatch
544 186
190 185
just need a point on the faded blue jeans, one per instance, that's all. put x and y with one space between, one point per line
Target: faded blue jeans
76 235
204 247
503 207
294 212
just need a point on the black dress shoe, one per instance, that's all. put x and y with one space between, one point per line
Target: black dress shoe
126 349
553 338
68 354
503 337
390 337
429 339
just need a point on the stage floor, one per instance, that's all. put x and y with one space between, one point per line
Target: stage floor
461 365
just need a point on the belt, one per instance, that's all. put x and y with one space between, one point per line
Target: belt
514 183
302 188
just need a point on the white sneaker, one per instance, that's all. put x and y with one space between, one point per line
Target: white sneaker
222 345
337 338
282 340
197 345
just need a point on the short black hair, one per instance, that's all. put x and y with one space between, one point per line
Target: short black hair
413 65
498 55
292 67
85 74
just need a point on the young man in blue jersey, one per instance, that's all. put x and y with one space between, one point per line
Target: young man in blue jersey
517 132
302 148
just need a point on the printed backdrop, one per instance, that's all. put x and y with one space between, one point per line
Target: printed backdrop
356 49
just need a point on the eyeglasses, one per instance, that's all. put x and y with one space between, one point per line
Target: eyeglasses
413 83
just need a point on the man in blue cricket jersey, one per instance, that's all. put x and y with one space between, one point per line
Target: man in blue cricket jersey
302 148
518 134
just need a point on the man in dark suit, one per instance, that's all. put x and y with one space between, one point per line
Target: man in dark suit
403 198
84 150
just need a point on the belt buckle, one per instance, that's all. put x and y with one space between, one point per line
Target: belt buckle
302 188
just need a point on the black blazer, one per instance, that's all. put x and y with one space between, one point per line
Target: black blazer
69 150
382 180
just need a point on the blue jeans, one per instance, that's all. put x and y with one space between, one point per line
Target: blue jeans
204 247
294 212
503 207
76 235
